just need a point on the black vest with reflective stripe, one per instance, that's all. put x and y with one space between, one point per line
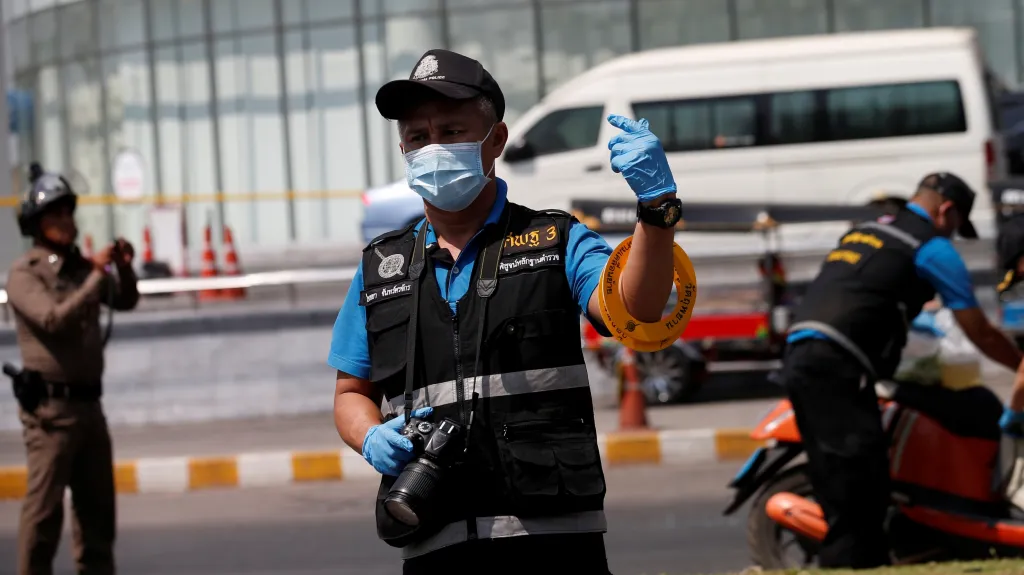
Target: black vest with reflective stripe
533 449
868 290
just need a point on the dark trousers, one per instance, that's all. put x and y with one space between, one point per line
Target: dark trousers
67 445
847 451
579 554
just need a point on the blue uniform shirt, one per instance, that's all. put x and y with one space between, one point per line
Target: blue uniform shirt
586 255
938 262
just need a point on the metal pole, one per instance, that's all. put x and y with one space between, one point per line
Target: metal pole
10 239
364 96
214 107
283 109
538 46
154 102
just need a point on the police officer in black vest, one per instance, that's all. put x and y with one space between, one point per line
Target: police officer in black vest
472 315
849 331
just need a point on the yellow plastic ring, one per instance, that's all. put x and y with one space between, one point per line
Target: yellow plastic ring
644 336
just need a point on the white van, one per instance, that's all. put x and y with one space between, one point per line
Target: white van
838 118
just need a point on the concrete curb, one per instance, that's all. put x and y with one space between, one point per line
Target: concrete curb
181 474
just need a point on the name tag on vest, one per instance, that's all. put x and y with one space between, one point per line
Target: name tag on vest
385 292
529 261
531 239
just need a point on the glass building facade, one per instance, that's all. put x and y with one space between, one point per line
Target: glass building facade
259 113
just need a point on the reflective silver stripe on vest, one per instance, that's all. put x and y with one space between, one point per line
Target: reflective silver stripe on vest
509 526
892 231
496 385
839 338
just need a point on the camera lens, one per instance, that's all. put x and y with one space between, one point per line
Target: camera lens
412 491
398 507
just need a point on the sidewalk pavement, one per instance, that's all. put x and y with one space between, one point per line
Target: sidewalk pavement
279 451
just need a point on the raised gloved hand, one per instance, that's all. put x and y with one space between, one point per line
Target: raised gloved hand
386 449
637 154
1012 423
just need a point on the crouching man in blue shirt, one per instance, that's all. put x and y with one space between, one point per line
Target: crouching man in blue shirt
849 331
472 315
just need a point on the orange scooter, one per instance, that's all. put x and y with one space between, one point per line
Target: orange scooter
947 499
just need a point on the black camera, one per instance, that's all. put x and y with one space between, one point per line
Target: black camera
414 492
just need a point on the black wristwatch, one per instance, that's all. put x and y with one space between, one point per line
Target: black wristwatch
665 215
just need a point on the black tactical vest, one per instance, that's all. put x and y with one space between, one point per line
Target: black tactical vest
1010 248
531 462
868 290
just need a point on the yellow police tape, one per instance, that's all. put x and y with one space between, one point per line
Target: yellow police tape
643 336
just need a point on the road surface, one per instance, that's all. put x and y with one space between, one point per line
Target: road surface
662 520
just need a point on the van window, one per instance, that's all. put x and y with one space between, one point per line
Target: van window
793 118
691 125
807 116
565 130
894 110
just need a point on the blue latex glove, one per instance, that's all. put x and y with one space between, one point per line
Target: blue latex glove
1012 423
386 449
637 155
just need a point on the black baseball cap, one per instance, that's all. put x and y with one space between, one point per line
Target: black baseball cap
440 72
954 189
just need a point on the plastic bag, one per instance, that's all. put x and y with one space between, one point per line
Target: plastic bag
959 360
938 352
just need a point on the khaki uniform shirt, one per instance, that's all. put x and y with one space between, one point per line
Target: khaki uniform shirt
56 302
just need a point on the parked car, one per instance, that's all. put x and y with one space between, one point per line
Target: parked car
389 207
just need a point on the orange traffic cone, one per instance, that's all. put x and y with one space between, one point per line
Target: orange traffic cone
231 266
147 246
591 339
632 408
209 269
87 247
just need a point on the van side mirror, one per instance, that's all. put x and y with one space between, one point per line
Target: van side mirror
519 151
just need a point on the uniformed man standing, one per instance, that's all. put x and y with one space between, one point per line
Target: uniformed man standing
472 314
56 295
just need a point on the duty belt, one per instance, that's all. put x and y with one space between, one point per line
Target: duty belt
83 392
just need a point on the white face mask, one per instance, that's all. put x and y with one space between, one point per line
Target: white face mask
448 176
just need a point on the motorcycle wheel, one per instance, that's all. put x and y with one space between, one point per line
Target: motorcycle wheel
770 543
667 376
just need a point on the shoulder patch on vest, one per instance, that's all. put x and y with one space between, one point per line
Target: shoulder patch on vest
387 259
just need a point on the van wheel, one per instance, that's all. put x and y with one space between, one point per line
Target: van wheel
668 376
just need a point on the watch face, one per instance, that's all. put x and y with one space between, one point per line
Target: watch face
671 215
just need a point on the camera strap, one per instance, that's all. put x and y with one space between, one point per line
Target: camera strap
486 284
416 265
